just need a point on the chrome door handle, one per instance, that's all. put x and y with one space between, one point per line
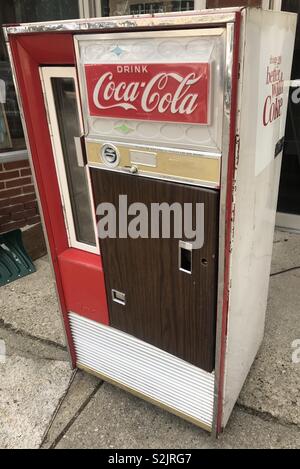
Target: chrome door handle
118 297
185 257
80 151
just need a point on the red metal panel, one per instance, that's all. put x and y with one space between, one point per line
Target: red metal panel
48 48
83 284
27 69
29 52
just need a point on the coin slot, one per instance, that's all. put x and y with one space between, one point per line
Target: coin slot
110 155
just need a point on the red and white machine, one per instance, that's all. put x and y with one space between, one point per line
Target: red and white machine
178 108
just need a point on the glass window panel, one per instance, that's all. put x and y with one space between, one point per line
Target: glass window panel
11 132
136 7
45 10
68 123
21 11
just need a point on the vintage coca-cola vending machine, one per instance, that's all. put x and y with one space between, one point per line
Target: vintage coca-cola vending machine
137 125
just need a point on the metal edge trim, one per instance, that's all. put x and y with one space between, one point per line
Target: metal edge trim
222 213
124 22
140 395
193 182
82 89
204 154
147 34
235 42
20 104
5 33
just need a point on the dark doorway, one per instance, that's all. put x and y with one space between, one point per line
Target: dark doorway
289 194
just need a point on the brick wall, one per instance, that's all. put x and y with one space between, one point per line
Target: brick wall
18 205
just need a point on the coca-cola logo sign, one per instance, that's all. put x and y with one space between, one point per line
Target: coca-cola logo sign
157 92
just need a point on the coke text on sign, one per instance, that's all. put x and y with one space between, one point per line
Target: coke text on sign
158 92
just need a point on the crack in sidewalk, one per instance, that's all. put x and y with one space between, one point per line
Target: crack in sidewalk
266 416
58 407
9 327
31 356
285 271
75 416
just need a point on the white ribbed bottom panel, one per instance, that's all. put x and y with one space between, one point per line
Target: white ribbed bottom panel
145 369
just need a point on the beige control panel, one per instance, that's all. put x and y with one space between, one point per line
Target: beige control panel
184 167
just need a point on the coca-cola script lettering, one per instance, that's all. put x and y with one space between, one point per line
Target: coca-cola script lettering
157 92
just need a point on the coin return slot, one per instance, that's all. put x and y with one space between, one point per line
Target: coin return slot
185 257
118 297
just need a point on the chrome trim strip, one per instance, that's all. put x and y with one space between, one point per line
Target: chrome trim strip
81 84
180 151
146 34
222 213
160 177
126 22
20 104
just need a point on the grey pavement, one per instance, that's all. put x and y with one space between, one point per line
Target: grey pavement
33 381
29 305
44 404
115 419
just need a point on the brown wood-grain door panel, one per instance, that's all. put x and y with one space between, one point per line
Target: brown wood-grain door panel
165 307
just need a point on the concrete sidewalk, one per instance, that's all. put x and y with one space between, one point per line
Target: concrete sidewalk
43 404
